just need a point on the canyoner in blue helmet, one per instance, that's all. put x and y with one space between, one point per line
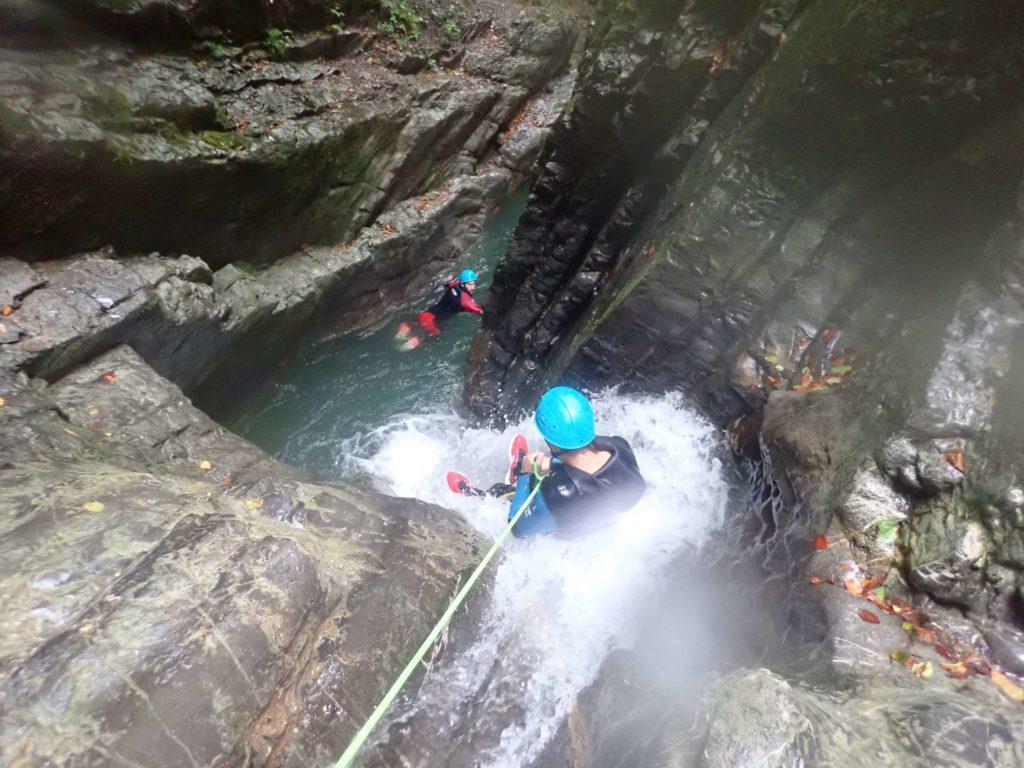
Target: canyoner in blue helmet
585 478
457 297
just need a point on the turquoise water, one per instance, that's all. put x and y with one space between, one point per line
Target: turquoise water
334 389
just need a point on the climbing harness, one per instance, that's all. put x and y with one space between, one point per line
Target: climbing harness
360 738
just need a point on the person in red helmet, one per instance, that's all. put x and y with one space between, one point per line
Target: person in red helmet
457 297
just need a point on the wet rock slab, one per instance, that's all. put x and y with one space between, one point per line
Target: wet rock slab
176 597
231 154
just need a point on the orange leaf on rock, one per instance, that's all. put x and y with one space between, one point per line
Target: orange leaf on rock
7 310
926 634
856 585
958 670
868 616
956 458
1007 686
817 580
900 606
110 377
820 542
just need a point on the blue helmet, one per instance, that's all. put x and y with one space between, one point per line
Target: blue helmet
565 418
467 276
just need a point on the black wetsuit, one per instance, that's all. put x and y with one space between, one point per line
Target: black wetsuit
571 501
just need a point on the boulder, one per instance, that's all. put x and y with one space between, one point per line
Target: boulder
178 597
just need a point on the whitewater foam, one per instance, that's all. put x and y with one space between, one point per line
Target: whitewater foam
558 606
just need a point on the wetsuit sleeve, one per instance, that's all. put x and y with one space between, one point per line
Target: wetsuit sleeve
537 518
469 305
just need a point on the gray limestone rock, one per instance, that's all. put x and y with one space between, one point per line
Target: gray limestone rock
177 597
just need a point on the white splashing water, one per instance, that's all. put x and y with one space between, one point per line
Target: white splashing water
558 605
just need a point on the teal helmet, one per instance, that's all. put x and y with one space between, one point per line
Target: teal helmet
467 276
565 418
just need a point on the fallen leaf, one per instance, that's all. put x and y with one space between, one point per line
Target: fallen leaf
93 506
771 358
817 580
205 465
110 377
958 670
926 634
880 594
856 585
1007 686
226 480
956 458
898 655
7 310
868 616
70 432
907 626
840 370
2 402
900 606
946 651
820 542
253 503
924 669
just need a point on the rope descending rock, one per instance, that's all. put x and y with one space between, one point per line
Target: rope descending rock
360 738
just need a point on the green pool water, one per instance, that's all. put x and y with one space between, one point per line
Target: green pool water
332 389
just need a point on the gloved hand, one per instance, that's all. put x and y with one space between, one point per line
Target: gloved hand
539 460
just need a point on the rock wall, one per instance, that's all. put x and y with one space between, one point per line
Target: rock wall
248 152
337 171
176 597
819 240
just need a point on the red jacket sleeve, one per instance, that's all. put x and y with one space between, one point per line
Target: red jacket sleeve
467 303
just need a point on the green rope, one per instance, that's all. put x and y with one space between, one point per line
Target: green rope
360 738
